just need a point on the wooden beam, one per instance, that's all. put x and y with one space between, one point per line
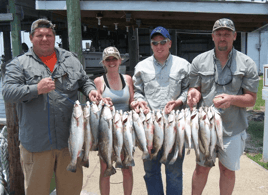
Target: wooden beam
6 17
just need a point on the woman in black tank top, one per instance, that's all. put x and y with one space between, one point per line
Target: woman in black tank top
114 80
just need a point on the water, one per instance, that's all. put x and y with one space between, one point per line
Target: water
2 103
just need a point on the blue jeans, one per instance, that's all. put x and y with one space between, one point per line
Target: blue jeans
153 178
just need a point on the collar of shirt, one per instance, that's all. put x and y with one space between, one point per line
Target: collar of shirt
166 62
216 60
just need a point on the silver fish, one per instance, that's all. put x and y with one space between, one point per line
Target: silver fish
140 134
218 125
195 133
88 135
76 137
158 138
204 132
128 139
178 141
95 113
213 138
170 134
188 130
149 131
118 137
106 139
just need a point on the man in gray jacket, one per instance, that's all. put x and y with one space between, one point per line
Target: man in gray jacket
44 83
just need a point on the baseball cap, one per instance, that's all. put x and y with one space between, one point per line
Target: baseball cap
42 23
223 23
160 30
110 51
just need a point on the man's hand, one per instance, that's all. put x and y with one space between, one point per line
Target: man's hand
108 101
46 85
137 105
223 101
171 105
193 97
94 96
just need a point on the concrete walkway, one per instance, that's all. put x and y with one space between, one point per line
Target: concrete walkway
251 179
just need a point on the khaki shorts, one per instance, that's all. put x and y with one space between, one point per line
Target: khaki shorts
234 148
38 168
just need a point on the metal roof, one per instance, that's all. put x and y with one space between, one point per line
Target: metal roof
197 15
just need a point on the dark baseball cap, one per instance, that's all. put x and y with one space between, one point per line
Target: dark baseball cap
160 30
224 23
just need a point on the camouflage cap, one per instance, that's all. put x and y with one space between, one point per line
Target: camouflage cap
110 51
223 23
42 23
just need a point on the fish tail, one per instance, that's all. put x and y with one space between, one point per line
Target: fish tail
209 163
130 163
109 171
171 162
146 155
163 160
189 150
118 164
85 163
71 167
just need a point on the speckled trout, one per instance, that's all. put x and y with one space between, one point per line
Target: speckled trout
158 132
140 135
88 134
170 134
76 137
118 137
95 113
106 139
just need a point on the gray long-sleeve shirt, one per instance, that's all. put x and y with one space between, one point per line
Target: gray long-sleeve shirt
158 84
20 86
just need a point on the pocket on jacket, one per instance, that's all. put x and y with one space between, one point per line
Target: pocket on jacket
207 81
175 85
150 84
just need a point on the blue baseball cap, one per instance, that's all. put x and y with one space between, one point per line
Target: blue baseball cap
160 30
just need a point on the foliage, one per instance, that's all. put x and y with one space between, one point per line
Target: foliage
256 130
259 102
258 159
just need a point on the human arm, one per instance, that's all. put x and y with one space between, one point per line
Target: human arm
247 99
16 88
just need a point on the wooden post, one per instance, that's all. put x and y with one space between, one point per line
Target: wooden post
133 44
74 27
16 178
7 45
15 29
173 49
75 33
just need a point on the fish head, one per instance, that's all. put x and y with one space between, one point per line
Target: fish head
77 110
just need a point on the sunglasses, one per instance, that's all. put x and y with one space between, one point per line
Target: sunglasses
110 59
163 42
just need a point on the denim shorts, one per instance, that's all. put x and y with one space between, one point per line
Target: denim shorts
233 149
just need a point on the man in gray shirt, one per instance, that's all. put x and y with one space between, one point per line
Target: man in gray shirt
161 83
228 79
44 83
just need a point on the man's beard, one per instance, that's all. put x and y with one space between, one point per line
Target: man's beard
222 48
